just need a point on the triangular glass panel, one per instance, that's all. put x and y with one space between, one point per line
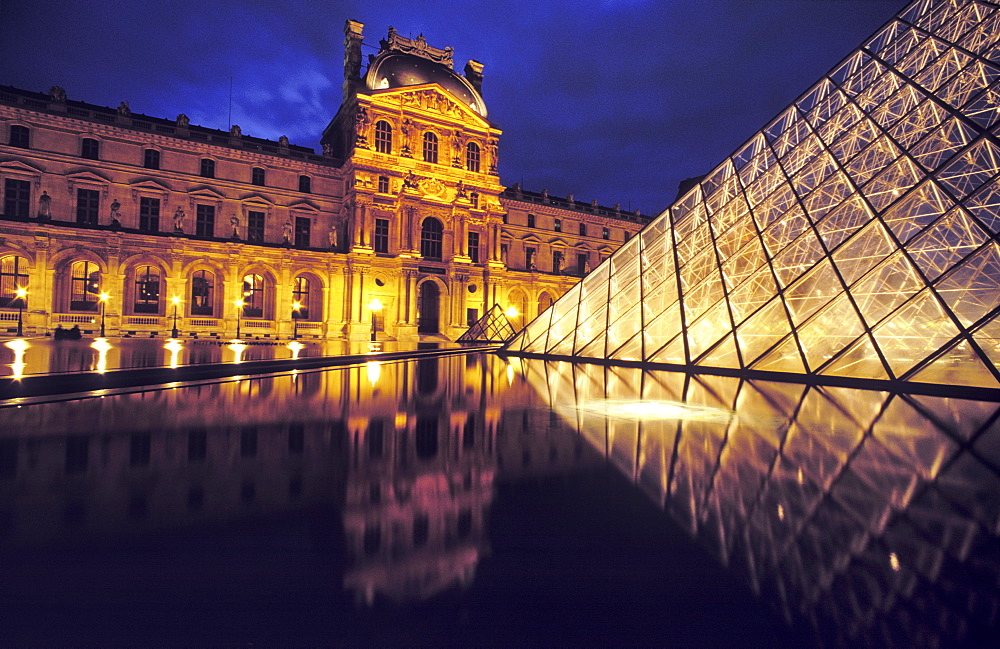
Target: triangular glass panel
723 355
783 358
630 351
919 328
959 365
973 288
860 360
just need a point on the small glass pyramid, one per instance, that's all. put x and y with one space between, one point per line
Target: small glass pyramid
493 327
855 235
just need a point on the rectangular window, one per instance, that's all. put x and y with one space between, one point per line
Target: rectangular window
207 168
581 263
557 257
382 236
255 226
383 184
151 159
471 317
305 184
302 224
257 176
531 220
474 247
90 148
583 229
149 214
529 258
605 233
87 203
19 136
558 225
474 199
627 234
16 198
204 224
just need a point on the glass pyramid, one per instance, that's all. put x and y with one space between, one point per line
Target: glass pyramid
854 236
493 327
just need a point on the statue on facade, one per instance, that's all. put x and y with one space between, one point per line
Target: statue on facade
283 140
286 231
179 217
116 213
460 190
235 222
45 206
183 120
410 181
57 93
124 110
327 149
235 131
334 237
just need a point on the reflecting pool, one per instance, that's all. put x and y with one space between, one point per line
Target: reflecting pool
473 500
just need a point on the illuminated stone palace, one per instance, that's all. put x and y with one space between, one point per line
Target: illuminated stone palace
147 223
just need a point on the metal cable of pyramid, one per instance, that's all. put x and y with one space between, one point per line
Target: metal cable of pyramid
856 236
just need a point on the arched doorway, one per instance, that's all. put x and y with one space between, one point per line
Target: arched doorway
428 308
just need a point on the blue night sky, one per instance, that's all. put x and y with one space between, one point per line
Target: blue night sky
617 100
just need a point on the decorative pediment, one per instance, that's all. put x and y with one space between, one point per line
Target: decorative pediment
17 166
206 191
531 238
149 184
304 205
87 176
256 198
428 97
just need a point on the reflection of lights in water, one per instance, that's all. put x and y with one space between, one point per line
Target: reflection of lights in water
374 347
801 476
894 561
510 374
19 346
102 346
374 371
652 410
781 513
175 346
296 347
238 348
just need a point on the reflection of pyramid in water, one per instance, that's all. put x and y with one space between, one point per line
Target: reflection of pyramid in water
854 236
492 327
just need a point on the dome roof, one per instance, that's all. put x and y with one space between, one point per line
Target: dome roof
395 70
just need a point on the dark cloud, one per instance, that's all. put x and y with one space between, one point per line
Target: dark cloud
614 100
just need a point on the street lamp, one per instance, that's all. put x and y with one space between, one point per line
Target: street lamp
239 307
103 298
295 319
21 294
173 332
375 305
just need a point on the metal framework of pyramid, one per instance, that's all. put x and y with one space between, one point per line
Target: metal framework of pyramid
493 327
854 236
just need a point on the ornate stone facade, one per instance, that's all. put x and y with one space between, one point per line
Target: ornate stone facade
404 206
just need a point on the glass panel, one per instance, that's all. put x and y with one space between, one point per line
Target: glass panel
709 329
972 168
829 331
973 288
752 294
762 330
960 365
885 288
860 361
915 211
814 290
860 254
946 242
918 329
797 258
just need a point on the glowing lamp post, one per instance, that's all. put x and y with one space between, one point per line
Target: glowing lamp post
173 332
239 307
375 305
21 294
295 319
103 300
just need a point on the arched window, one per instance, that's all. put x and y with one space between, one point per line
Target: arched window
544 301
147 290
85 286
431 236
430 147
253 296
472 157
383 137
202 293
13 275
300 294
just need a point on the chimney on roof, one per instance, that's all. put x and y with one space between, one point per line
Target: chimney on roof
474 74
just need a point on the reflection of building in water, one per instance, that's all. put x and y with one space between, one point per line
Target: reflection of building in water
857 512
420 480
